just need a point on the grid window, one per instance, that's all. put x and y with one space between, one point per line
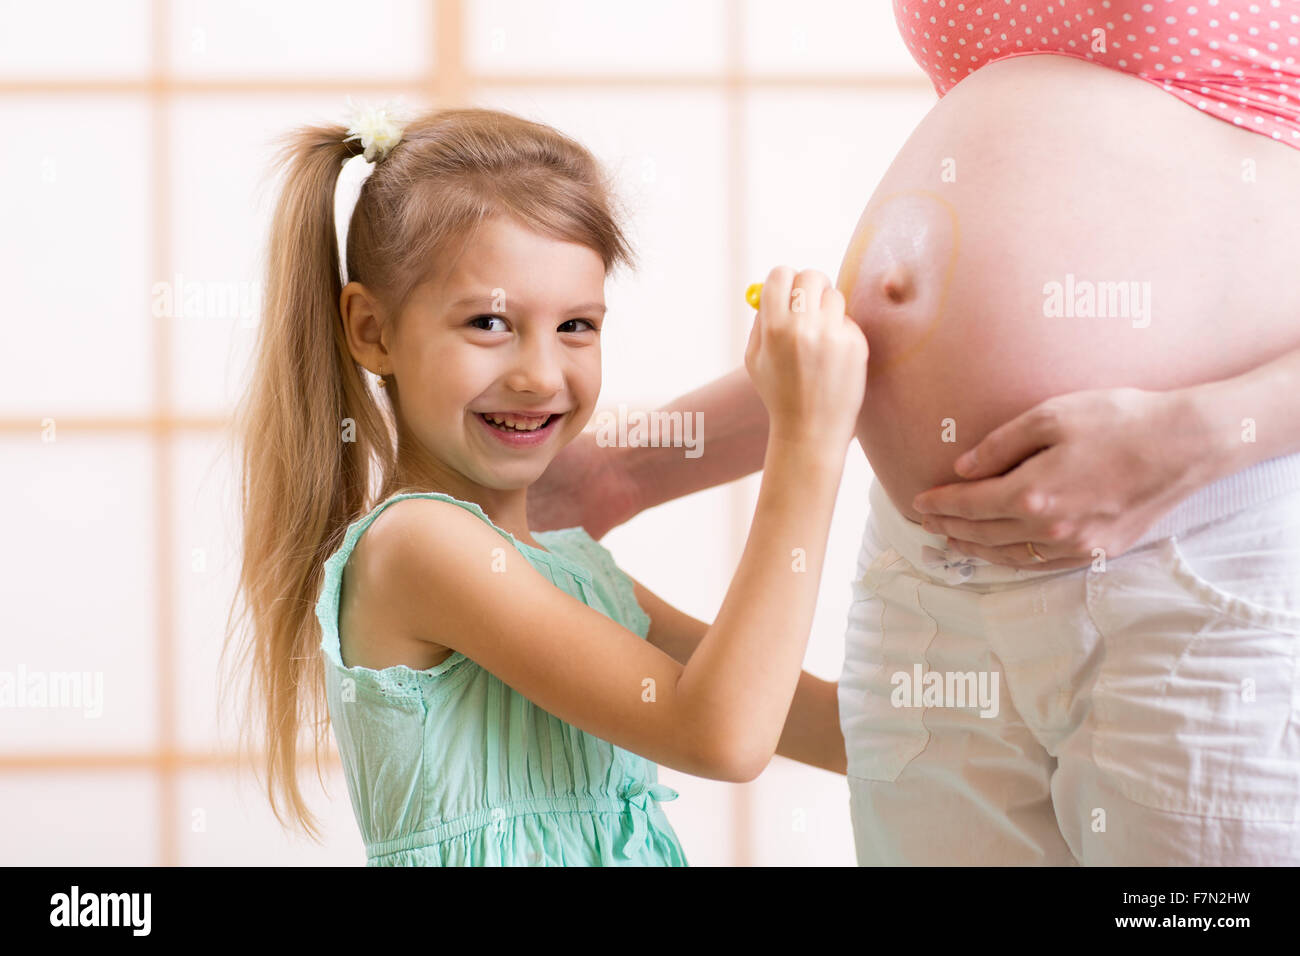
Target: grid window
135 217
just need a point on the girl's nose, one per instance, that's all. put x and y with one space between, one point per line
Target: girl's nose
536 368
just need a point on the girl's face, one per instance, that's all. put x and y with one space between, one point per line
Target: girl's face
512 332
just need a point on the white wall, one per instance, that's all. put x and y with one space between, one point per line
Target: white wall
137 152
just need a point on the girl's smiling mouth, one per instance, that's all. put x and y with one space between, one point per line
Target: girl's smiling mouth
519 430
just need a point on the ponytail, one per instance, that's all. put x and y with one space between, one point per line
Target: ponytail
309 428
315 435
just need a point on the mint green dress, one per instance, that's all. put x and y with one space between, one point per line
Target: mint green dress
451 767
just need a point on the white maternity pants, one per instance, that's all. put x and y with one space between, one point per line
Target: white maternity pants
1146 713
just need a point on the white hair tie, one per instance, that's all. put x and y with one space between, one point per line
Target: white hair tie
379 129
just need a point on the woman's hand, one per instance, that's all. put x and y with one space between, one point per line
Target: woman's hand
583 486
1077 472
807 359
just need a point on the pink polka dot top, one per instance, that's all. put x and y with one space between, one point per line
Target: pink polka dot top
1236 60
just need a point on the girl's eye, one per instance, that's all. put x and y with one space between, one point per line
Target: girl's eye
496 318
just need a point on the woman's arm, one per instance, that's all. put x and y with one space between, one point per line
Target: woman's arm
812 733
734 424
1099 468
600 488
1262 405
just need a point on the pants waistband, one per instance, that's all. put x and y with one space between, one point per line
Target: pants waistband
1227 496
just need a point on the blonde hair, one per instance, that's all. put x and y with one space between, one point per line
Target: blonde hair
302 483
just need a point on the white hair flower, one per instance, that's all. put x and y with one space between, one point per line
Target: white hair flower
378 127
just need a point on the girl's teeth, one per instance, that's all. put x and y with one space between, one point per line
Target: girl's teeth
522 425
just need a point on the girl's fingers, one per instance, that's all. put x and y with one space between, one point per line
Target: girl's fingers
806 296
776 294
833 300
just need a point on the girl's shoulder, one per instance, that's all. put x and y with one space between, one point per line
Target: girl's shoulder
363 619
358 527
391 520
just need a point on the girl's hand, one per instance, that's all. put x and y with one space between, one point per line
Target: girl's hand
1077 472
807 359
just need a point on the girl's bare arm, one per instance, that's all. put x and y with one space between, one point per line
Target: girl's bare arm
458 583
721 714
812 733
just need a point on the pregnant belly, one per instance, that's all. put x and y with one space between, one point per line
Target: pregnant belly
1050 226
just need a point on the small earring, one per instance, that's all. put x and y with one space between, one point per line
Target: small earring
381 383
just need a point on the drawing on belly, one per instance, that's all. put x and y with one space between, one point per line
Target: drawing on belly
918 230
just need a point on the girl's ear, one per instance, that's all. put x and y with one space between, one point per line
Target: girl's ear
364 326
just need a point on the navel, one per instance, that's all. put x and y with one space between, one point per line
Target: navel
897 270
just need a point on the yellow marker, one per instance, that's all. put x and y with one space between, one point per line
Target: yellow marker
753 294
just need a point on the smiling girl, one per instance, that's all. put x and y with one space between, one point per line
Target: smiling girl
500 697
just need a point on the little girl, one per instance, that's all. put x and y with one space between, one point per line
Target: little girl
500 697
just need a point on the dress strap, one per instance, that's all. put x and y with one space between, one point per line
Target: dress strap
327 601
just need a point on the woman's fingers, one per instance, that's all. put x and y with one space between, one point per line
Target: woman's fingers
1018 556
984 500
988 533
1011 443
1095 481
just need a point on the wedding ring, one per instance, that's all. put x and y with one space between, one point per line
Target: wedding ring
1033 553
